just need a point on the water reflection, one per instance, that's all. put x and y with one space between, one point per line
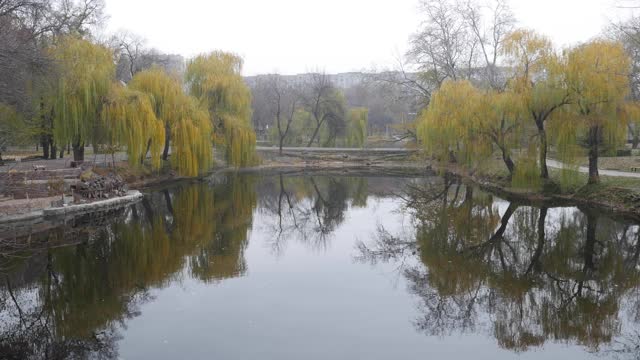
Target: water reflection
309 208
525 274
70 304
61 301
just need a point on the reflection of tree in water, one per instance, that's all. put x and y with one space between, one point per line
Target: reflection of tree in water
539 274
309 208
71 306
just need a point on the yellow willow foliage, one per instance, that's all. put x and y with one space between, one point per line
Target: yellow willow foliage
446 126
563 134
188 123
597 76
240 145
358 119
528 54
597 85
131 120
216 80
500 118
165 91
526 173
191 135
470 123
629 113
85 71
538 70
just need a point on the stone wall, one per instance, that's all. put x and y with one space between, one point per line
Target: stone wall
36 183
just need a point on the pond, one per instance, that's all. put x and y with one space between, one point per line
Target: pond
324 267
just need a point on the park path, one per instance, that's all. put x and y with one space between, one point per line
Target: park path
583 169
550 162
64 163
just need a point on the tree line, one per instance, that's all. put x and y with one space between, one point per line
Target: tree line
493 87
65 87
312 113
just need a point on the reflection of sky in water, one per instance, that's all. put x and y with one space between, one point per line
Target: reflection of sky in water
307 304
309 297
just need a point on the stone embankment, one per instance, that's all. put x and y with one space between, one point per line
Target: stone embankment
70 209
312 155
99 205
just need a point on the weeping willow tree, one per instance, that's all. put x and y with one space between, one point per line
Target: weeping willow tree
167 96
598 81
444 128
84 74
130 119
187 128
358 119
465 124
499 120
191 134
539 81
216 81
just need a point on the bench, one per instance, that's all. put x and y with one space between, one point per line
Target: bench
39 167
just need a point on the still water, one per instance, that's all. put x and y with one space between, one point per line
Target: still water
318 267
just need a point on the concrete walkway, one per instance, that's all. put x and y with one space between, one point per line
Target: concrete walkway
334 149
583 169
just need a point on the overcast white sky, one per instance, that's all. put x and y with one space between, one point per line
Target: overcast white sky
294 36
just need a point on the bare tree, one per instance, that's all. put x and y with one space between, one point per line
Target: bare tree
128 48
628 33
461 39
132 56
325 104
443 48
489 34
283 99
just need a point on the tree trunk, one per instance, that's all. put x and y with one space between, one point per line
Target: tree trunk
167 143
535 259
61 152
508 162
280 144
542 133
315 133
54 151
594 139
78 151
634 141
144 156
44 142
167 199
589 250
590 244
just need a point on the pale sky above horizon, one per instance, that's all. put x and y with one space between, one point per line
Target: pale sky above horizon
296 36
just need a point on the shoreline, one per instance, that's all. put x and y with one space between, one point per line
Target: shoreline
623 203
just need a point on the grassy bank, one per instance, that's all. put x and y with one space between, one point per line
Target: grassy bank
619 195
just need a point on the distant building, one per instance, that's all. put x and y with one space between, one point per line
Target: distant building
341 80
